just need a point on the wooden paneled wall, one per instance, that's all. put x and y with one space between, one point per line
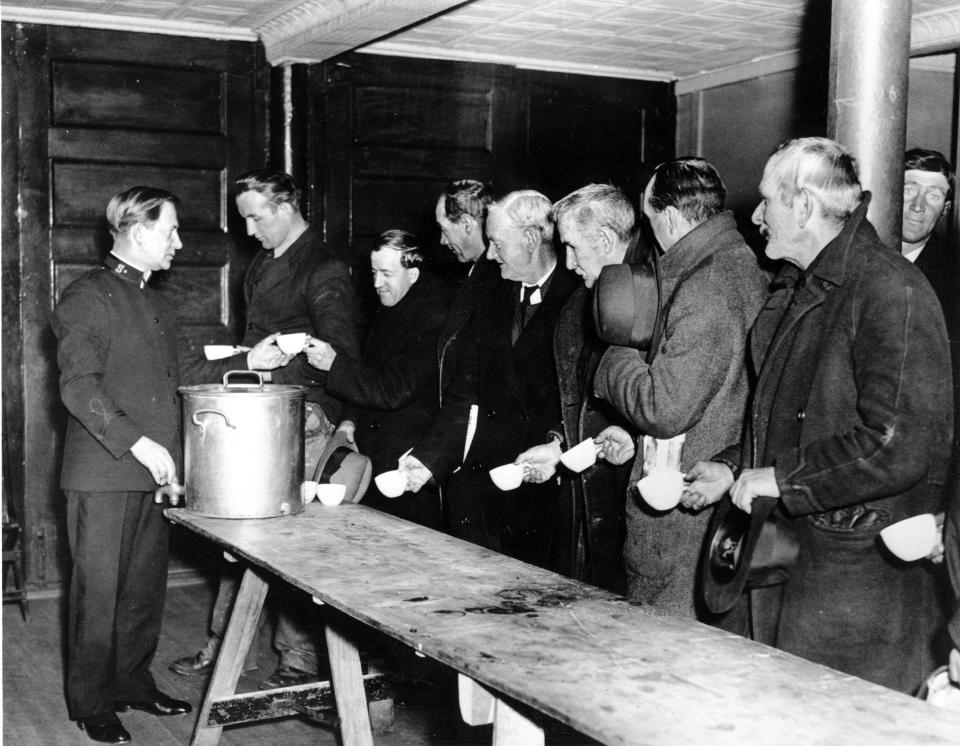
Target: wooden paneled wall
99 112
374 139
389 132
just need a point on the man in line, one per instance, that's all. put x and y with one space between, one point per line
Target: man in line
697 383
460 213
850 421
928 183
294 285
597 228
507 369
119 374
391 392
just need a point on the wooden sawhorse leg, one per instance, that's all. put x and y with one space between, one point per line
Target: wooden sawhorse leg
348 689
478 706
233 651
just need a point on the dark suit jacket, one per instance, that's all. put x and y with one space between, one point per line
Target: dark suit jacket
312 293
514 386
940 263
391 392
952 551
486 273
119 373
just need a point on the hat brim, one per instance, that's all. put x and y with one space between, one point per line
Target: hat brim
729 552
626 302
353 470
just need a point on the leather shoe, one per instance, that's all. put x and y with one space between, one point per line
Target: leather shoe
105 728
192 665
161 704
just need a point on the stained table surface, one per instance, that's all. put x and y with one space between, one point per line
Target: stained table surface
617 672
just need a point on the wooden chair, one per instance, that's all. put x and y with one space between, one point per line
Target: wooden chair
13 562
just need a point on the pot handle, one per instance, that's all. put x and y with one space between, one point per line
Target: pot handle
226 377
198 423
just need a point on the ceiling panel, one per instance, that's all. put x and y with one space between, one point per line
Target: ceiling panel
657 39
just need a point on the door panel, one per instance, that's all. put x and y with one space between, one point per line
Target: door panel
101 111
136 96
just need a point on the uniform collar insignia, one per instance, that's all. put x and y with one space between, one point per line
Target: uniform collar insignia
121 268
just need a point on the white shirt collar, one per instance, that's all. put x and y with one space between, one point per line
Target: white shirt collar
537 296
911 256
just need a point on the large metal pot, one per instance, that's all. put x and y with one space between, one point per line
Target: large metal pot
243 448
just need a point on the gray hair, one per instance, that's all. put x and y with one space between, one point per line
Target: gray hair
527 208
821 166
598 205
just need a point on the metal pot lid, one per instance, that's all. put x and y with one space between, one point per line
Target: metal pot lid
235 388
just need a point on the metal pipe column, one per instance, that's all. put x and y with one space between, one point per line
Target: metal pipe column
869 68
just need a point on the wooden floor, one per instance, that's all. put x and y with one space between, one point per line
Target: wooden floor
34 711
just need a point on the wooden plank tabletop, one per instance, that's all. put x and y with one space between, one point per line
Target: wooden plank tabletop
614 671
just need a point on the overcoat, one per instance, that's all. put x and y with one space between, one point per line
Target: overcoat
591 531
391 392
697 384
486 273
853 410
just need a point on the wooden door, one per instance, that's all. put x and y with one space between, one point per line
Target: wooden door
97 112
388 132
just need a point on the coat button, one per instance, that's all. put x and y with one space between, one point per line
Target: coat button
491 413
477 467
801 415
249 326
374 426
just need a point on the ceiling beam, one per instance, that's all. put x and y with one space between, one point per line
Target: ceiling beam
317 30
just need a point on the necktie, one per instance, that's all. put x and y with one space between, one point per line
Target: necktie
529 297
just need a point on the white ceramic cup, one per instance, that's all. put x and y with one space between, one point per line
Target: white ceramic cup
912 538
331 494
291 344
508 476
662 488
582 456
308 490
391 483
218 352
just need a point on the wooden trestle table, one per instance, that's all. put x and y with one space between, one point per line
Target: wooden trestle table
527 641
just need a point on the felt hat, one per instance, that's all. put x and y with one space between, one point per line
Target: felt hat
341 463
626 301
745 551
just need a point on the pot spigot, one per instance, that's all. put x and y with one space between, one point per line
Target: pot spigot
172 492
